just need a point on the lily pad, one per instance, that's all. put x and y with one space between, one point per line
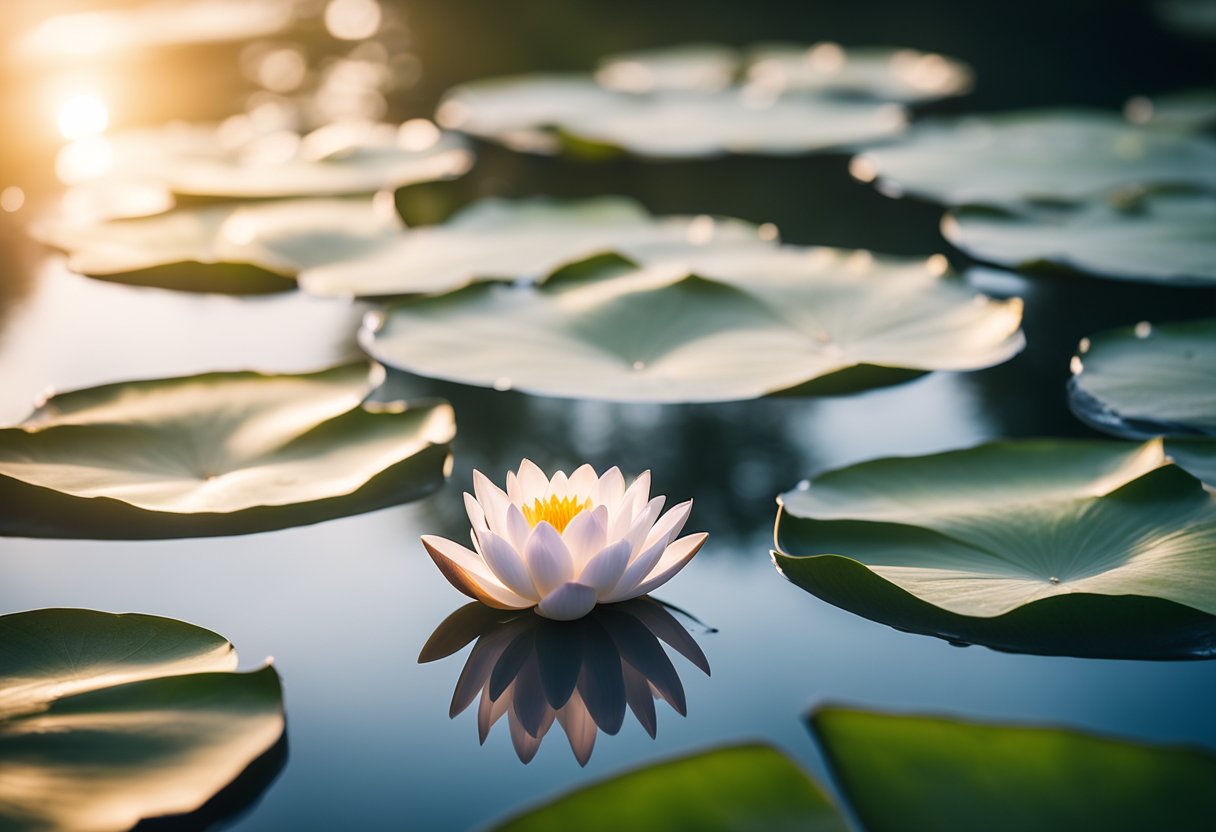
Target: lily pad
1190 110
546 114
234 248
221 453
692 67
915 772
1087 548
732 324
888 74
1156 238
1148 380
525 239
731 789
107 719
1053 156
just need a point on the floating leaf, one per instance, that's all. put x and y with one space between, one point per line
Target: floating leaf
1050 155
107 719
234 248
1162 238
692 67
1196 456
221 453
519 240
539 113
1057 547
1192 110
913 772
732 324
1148 380
731 789
904 75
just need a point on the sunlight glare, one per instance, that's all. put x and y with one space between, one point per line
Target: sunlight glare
82 115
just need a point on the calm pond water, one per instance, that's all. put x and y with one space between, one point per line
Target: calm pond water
344 607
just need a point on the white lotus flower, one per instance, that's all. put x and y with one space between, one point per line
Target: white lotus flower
565 544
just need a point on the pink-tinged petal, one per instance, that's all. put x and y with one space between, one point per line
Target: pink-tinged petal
567 602
469 574
547 558
632 501
493 501
603 572
477 516
532 483
559 486
669 525
508 566
585 535
611 488
674 559
513 488
517 530
489 711
583 483
579 727
637 571
525 744
643 523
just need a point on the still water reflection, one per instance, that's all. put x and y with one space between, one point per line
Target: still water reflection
581 674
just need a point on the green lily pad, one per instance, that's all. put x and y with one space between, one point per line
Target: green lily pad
914 772
1148 380
1056 547
234 248
730 324
1162 238
221 453
731 789
546 114
1052 156
888 74
1191 110
107 719
524 239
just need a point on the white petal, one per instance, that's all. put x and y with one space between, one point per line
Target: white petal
513 488
611 488
568 602
585 535
559 486
576 721
604 571
493 501
583 482
674 559
507 565
632 501
639 569
669 525
469 574
532 483
517 530
477 517
643 523
548 558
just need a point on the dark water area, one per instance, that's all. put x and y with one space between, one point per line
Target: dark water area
345 607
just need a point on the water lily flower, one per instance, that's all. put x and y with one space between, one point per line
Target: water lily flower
566 543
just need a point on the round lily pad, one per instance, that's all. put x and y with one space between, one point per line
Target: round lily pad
1190 110
1053 156
233 248
518 240
732 324
108 719
1155 238
546 114
1087 548
693 67
221 453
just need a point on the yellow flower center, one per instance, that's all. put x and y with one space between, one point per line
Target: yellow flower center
557 513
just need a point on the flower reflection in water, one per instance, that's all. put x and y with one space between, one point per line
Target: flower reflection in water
580 674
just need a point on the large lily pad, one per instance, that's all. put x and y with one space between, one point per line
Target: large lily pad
1190 110
107 719
1162 238
233 248
889 74
544 114
1148 380
691 67
914 772
1058 547
733 324
1038 155
519 240
731 789
222 453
